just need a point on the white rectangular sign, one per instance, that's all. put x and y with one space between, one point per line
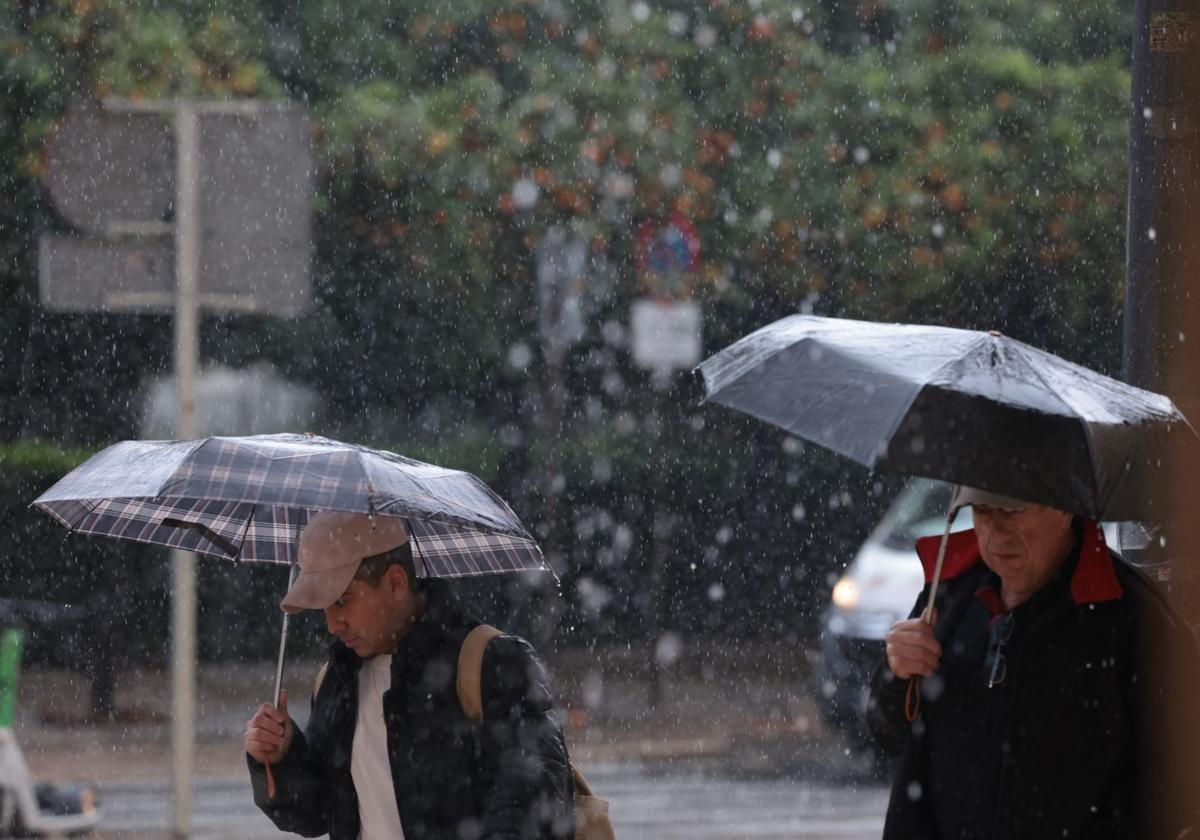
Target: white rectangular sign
666 335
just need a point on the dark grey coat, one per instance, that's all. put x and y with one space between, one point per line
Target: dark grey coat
509 780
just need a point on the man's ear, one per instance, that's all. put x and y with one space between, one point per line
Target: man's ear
397 581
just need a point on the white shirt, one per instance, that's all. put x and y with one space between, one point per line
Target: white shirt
378 816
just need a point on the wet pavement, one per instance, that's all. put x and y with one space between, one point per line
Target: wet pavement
733 750
651 805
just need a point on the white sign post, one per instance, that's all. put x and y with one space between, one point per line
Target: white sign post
240 241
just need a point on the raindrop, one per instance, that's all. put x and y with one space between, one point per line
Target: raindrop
519 356
799 513
524 193
938 230
640 11
705 36
668 649
914 791
716 592
618 184
602 469
622 538
677 23
613 384
774 158
593 689
613 333
1152 234
861 155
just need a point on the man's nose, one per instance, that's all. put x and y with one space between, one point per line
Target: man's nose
332 621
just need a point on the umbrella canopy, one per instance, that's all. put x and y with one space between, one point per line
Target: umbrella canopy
248 498
967 407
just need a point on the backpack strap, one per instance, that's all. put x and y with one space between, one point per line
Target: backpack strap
320 679
470 668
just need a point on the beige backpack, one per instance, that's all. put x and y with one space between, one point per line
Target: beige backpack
591 813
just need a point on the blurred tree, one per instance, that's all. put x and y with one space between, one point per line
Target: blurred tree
925 161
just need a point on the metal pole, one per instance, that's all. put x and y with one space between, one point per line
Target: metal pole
1162 329
187 352
1162 254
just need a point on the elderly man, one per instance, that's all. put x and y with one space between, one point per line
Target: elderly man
388 751
1037 708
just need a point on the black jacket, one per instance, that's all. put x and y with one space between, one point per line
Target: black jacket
510 779
1072 743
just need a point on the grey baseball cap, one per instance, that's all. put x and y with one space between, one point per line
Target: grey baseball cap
331 547
964 496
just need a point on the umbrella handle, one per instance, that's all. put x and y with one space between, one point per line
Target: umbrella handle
912 694
912 704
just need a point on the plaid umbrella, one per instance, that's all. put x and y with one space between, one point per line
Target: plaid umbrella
248 498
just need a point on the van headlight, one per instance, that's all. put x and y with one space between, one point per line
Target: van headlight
845 594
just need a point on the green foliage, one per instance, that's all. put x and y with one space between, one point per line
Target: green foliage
927 161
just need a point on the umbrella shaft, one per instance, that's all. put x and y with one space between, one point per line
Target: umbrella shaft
292 573
951 515
279 666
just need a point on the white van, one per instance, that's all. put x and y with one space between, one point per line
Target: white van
878 588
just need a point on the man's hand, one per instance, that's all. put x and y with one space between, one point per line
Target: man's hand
269 732
912 649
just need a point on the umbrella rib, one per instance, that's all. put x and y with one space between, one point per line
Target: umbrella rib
208 534
1050 389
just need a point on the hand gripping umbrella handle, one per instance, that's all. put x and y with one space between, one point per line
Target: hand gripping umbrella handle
912 694
279 676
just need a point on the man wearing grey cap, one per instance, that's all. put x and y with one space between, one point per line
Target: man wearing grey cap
1038 713
388 751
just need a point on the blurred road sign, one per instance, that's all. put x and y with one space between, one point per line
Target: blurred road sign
77 274
111 168
255 182
256 186
667 256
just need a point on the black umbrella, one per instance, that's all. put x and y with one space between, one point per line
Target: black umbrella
967 407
